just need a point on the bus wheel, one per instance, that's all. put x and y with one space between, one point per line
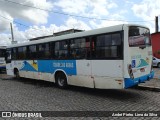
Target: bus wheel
61 80
16 72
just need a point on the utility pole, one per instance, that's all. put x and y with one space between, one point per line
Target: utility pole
13 42
156 24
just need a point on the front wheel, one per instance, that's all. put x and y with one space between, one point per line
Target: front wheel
61 80
158 65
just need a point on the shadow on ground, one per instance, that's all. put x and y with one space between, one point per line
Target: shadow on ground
122 94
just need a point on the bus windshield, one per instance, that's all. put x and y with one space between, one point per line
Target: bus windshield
2 52
139 36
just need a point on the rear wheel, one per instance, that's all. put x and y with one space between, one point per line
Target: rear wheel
61 80
16 73
158 65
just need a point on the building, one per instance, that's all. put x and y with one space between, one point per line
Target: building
156 44
58 34
156 40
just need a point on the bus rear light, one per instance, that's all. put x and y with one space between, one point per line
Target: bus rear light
130 72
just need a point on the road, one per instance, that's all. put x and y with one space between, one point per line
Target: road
34 95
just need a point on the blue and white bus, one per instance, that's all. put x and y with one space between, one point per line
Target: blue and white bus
2 58
114 57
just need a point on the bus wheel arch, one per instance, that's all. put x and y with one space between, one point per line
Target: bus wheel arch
61 79
16 73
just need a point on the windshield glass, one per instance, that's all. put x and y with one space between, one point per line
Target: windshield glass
139 36
2 52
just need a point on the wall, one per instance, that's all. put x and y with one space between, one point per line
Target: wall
156 44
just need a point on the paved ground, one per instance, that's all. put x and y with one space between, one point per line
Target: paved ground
153 84
157 73
33 95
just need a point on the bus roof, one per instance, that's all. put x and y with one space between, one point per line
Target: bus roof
76 35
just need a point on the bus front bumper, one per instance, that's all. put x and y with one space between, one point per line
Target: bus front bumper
128 82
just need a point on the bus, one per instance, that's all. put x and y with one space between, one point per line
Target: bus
116 57
2 58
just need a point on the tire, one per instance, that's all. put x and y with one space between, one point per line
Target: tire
61 80
158 65
17 76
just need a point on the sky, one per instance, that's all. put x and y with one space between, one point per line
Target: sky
35 18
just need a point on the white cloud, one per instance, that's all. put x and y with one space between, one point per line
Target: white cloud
72 6
88 8
37 31
12 11
106 23
5 39
108 9
4 23
147 10
70 23
77 24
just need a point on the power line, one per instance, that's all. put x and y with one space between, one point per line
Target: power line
19 23
13 21
70 14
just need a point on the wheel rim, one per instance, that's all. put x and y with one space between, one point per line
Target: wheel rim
61 81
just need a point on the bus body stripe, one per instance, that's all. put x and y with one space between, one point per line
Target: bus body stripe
50 66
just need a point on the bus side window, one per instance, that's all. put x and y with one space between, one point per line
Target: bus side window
21 53
116 45
116 39
32 52
107 46
40 51
43 51
52 50
93 48
61 50
14 53
80 48
103 43
88 48
47 51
